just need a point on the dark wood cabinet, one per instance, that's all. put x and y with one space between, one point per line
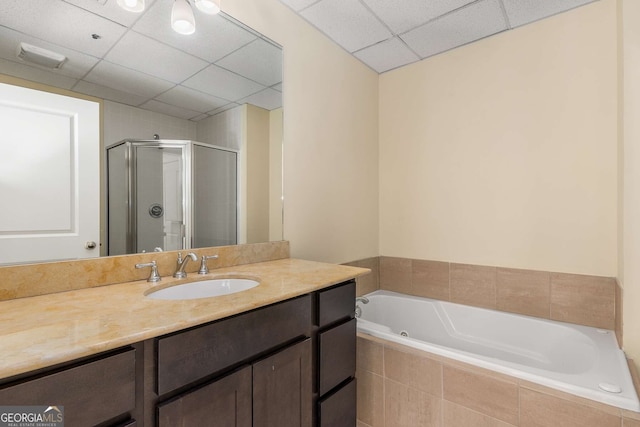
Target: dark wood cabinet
336 356
339 409
272 392
92 392
282 394
222 403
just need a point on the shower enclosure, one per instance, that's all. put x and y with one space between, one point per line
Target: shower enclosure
169 195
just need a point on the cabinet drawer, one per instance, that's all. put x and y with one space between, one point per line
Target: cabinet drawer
336 303
188 356
91 393
337 355
339 408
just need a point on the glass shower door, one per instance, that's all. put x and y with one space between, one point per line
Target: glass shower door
159 188
215 197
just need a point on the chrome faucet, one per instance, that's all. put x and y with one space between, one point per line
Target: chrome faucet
363 300
182 263
204 269
153 276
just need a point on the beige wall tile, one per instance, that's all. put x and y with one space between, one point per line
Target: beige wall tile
598 406
370 282
587 300
523 291
370 398
414 371
489 396
541 410
430 279
407 407
473 285
618 310
369 356
458 416
395 274
628 422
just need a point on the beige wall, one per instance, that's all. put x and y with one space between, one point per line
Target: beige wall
275 174
257 146
330 134
631 169
504 152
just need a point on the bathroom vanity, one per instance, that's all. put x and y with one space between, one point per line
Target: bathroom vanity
286 363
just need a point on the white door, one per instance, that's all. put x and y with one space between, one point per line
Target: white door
49 176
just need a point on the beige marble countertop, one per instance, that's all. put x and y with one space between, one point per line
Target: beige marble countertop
45 330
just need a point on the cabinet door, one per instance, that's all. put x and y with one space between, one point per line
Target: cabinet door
223 403
282 388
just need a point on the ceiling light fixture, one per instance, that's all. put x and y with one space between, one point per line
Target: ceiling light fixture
210 7
182 20
131 5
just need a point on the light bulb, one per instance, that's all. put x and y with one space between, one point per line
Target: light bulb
210 7
131 5
182 20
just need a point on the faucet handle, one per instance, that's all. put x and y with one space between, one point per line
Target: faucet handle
154 276
203 265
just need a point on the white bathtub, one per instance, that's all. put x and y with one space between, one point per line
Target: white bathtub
572 358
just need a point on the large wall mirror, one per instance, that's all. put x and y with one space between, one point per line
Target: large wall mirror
217 87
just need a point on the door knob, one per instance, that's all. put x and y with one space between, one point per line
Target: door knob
90 245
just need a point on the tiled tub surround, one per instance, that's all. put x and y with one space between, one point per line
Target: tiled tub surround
573 298
401 386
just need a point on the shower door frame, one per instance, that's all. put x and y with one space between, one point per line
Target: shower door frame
188 176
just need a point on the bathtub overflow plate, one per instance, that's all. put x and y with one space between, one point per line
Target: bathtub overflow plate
404 333
610 388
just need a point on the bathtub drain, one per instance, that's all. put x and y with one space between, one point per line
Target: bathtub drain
404 333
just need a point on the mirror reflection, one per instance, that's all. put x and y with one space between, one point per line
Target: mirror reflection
218 87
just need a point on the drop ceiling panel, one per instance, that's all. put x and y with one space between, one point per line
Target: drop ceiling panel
61 23
404 15
214 38
127 80
298 5
185 97
473 22
228 85
149 56
109 93
522 12
223 108
267 99
347 22
170 110
387 55
259 60
109 9
76 66
36 74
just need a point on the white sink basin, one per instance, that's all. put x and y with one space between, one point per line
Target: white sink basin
204 289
